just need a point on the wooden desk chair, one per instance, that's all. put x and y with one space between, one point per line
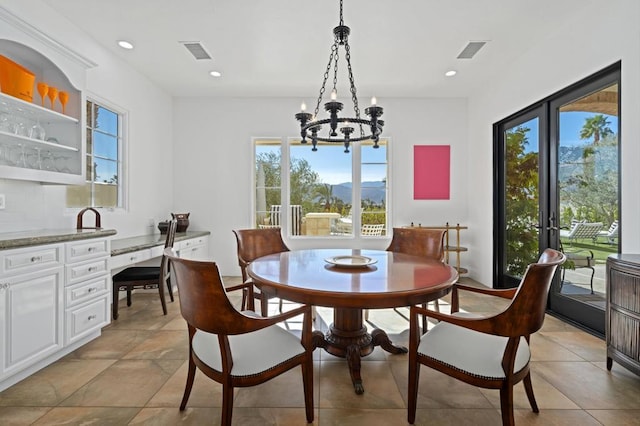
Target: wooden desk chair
236 349
145 277
252 244
418 242
488 352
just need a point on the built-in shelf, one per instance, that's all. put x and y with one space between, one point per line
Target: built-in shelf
32 111
451 244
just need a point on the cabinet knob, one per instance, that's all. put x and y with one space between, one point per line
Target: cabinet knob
91 268
91 317
92 289
36 258
90 249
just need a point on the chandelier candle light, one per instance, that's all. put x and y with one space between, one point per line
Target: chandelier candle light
310 126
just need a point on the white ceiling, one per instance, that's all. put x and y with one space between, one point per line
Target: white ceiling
399 48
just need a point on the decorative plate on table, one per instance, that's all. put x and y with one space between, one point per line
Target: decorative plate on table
350 261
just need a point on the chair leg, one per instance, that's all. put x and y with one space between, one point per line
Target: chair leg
162 299
506 404
190 376
264 305
593 271
280 305
307 383
412 396
114 305
227 404
170 289
243 305
128 296
529 390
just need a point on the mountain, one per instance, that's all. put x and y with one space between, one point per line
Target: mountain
374 191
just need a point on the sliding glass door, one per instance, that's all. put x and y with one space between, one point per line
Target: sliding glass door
557 182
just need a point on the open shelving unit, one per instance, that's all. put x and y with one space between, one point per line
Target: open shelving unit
452 247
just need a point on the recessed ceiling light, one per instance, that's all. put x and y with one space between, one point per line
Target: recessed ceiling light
125 44
451 73
215 73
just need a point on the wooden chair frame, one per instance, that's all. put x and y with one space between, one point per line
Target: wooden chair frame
523 317
205 306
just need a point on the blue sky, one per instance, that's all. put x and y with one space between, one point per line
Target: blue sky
571 123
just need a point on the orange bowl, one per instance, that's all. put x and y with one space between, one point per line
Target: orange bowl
16 80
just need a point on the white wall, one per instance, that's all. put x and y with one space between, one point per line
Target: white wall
35 206
598 37
213 162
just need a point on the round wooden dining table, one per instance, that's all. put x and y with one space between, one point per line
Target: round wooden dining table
349 281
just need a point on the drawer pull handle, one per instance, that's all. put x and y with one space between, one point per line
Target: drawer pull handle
4 286
90 249
92 289
91 317
91 268
36 258
133 258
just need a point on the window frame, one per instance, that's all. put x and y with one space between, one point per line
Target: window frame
122 153
356 190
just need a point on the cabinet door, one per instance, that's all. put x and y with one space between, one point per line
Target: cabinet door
194 252
32 313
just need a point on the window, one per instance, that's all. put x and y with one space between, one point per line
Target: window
103 160
329 192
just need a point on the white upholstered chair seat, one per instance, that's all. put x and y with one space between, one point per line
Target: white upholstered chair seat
476 353
252 353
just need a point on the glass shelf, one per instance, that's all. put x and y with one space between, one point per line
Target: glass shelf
18 107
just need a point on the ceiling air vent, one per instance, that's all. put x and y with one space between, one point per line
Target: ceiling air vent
197 50
471 49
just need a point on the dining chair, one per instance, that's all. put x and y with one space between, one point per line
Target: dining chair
485 351
418 242
144 277
252 244
236 349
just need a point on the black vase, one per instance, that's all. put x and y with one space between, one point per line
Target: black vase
183 221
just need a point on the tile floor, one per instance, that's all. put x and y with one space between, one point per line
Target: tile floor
135 373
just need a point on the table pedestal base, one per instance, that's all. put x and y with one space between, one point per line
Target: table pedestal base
348 338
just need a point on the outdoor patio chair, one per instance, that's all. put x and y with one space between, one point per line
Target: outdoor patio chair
577 259
372 229
581 230
611 234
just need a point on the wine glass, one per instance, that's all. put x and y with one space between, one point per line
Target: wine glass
43 89
52 94
64 98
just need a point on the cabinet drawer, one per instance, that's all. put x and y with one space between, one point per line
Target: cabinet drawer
86 291
30 259
86 319
192 242
87 270
127 259
85 250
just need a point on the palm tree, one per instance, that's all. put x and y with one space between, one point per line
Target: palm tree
596 127
324 193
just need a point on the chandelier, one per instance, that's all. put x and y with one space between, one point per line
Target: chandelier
310 125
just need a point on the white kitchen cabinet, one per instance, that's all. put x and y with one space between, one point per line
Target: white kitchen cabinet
194 248
58 155
31 306
87 287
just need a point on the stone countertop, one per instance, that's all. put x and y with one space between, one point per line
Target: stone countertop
38 237
141 242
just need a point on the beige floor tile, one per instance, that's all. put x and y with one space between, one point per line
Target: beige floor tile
459 417
547 396
585 345
380 389
554 418
591 387
285 390
53 384
437 390
544 348
205 392
173 416
362 416
271 416
19 416
617 417
127 383
113 344
88 416
162 345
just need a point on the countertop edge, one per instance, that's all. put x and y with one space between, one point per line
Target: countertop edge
30 238
132 244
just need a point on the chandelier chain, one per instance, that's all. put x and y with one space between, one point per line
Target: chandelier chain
353 89
334 51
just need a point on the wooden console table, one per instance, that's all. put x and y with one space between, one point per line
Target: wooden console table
623 311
